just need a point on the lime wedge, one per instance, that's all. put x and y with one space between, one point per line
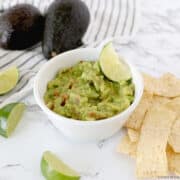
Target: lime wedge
112 66
8 79
10 115
54 169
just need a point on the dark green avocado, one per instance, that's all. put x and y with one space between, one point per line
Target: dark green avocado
65 24
21 27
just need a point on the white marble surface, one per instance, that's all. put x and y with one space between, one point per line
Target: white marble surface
155 49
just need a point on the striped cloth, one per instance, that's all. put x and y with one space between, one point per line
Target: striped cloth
109 19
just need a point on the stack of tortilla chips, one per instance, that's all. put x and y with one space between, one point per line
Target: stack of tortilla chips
153 130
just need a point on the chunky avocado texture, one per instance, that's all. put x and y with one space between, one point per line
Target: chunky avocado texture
65 24
21 27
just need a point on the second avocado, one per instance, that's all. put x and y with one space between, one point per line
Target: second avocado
65 24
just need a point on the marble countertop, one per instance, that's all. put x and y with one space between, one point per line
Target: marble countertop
154 49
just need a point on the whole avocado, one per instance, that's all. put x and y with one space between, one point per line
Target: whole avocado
21 27
65 24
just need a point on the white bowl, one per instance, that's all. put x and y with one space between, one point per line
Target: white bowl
75 129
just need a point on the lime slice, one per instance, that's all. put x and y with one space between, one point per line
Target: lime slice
8 79
54 169
10 115
112 66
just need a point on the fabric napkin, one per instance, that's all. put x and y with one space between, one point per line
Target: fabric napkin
109 19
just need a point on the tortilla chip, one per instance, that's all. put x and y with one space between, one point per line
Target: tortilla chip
159 100
148 81
127 147
174 138
173 161
133 135
137 117
174 104
176 99
167 85
151 150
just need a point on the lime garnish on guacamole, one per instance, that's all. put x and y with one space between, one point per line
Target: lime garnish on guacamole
113 67
84 92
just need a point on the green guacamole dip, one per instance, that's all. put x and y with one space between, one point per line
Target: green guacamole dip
82 92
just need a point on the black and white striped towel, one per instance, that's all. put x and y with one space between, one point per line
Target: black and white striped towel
109 19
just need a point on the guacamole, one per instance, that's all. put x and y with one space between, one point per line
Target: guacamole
82 92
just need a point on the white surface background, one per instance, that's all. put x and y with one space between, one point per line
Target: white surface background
155 49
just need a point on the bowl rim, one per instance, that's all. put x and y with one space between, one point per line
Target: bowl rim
46 110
